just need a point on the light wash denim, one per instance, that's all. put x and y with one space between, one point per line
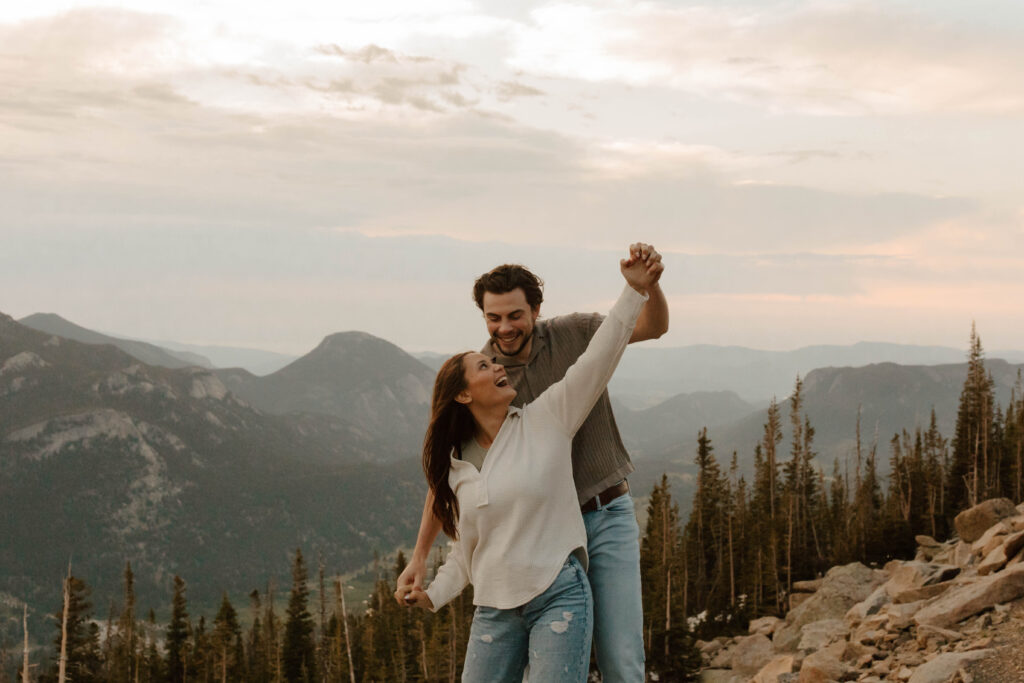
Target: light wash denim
613 543
551 633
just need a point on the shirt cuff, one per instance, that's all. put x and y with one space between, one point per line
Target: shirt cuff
628 307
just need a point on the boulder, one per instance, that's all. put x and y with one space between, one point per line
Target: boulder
901 615
797 599
807 586
992 537
751 653
776 667
722 676
818 634
926 541
842 588
1014 543
972 523
869 606
923 593
971 598
994 561
765 625
822 666
944 667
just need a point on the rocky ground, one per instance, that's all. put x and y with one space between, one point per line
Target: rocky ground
953 614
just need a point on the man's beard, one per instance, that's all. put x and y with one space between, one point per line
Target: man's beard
511 354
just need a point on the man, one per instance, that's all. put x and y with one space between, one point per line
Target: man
536 353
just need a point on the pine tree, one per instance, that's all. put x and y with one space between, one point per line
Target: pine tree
177 635
82 648
125 666
226 641
297 658
670 650
969 479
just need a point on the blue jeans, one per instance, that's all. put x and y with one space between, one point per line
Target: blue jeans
551 633
613 543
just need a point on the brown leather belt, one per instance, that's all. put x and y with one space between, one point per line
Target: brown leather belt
606 496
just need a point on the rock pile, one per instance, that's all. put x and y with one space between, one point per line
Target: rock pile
919 621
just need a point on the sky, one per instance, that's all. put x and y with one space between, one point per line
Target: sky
263 174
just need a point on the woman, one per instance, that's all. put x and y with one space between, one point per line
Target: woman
501 479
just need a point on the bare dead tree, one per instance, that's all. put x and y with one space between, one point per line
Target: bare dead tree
340 592
62 666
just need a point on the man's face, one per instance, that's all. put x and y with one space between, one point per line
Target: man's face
510 322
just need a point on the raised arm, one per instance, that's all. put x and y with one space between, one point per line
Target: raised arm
653 320
571 398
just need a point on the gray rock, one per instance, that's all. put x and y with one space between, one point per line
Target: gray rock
807 586
842 588
821 667
722 676
818 634
969 599
972 523
751 653
994 561
764 625
774 669
945 666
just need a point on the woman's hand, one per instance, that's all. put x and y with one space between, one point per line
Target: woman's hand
643 268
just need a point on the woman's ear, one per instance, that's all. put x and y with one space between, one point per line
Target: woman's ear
463 397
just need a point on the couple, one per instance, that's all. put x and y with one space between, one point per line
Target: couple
534 494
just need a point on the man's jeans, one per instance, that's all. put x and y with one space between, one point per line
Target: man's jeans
613 543
552 633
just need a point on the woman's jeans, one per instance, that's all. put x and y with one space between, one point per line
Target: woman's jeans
551 633
613 544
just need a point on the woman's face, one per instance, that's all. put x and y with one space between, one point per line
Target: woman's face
486 382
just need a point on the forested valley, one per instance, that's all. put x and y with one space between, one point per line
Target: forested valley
733 557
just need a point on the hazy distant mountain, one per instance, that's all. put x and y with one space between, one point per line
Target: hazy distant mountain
256 361
369 383
676 421
106 459
755 375
431 359
51 323
891 398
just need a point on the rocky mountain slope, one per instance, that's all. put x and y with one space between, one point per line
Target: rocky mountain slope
368 384
954 613
104 459
151 354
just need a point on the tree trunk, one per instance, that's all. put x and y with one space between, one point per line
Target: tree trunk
62 667
344 619
24 665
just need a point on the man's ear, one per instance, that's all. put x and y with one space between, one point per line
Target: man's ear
463 397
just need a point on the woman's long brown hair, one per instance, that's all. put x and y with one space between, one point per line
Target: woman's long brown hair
451 424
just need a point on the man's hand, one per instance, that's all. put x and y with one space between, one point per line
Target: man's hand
643 268
411 580
418 598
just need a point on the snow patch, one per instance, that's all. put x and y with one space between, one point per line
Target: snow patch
22 361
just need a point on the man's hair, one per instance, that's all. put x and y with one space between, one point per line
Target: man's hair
506 278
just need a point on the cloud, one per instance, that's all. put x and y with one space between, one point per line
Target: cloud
848 58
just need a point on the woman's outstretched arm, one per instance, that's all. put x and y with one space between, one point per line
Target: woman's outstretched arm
571 399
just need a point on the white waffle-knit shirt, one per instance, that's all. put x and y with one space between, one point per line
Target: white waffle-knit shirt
519 518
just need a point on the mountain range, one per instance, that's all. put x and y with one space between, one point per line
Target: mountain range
113 449
105 459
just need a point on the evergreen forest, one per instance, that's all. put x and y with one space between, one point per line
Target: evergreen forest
734 557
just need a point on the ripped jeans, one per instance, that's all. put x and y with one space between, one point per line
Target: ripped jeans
551 633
